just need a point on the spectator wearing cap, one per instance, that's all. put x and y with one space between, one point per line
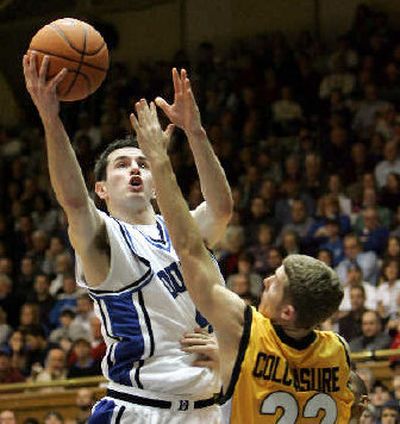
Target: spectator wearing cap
8 374
355 278
350 324
373 337
367 261
84 365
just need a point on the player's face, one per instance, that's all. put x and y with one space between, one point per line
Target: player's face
128 177
273 294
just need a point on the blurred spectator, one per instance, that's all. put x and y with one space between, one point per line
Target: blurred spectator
37 346
367 261
335 189
326 256
19 357
389 290
365 117
274 260
84 402
373 235
25 278
373 337
350 324
380 396
246 270
54 367
355 278
290 243
84 307
393 248
390 413
5 329
390 164
339 79
66 299
84 365
8 302
333 241
390 193
7 417
98 344
8 374
42 298
299 221
53 417
259 249
68 329
56 247
63 266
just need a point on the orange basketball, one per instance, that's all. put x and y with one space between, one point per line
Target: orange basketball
77 46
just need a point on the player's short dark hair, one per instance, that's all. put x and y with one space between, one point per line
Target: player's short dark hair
314 289
100 167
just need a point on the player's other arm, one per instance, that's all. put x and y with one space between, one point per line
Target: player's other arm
212 215
85 224
222 308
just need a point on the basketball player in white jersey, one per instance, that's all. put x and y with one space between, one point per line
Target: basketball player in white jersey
126 260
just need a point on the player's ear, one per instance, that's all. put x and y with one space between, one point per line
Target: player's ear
100 189
288 313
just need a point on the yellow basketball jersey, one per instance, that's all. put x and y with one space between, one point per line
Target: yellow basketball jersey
277 379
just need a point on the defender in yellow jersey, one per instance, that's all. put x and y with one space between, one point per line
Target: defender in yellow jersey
296 380
277 368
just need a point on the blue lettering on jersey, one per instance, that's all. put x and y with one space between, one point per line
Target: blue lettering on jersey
172 279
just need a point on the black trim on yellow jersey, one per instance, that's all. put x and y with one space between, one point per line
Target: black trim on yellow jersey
298 344
244 342
346 350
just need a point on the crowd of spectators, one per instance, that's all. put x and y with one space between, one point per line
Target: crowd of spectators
309 137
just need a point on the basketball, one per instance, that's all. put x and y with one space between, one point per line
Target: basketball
77 46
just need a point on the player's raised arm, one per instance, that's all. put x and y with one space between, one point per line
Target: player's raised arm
222 308
65 173
212 215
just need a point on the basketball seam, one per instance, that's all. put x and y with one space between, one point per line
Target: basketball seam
68 58
72 83
62 34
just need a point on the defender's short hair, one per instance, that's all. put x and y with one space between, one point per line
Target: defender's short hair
314 289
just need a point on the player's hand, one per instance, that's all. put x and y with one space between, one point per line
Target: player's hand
43 93
204 345
152 140
184 112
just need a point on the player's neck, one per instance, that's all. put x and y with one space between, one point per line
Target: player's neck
143 215
294 332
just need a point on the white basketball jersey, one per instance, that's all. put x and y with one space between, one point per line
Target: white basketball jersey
145 309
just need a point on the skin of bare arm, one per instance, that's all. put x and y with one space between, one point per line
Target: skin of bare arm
85 226
213 215
222 308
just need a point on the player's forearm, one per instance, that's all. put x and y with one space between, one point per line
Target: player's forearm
65 173
213 182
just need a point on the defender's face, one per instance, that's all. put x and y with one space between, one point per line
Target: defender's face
128 177
273 294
